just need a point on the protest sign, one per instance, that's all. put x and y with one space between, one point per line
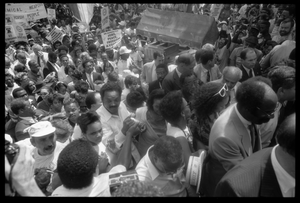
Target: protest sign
104 17
55 35
14 32
51 13
215 10
111 38
31 11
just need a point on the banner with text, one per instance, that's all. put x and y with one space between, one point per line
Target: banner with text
111 38
51 13
55 35
14 32
104 17
31 11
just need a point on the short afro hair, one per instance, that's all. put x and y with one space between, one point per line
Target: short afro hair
108 87
86 119
135 99
155 94
77 164
282 76
171 106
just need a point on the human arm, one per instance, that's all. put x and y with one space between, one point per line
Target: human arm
22 174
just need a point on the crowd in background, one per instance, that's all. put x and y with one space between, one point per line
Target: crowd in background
80 112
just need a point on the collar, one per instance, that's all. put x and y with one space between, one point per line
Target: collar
178 73
154 173
246 69
243 120
106 115
285 180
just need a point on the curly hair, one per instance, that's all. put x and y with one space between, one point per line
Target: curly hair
108 87
130 80
82 87
76 74
77 164
282 76
155 94
135 99
86 119
171 106
137 188
168 150
205 99
67 68
55 96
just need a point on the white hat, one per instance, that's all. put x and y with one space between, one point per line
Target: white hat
223 22
124 50
40 129
123 23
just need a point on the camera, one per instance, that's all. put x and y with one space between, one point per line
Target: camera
11 151
115 180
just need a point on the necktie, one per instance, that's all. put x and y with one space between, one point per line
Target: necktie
255 139
208 76
91 82
250 73
39 61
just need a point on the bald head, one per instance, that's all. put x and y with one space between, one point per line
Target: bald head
231 75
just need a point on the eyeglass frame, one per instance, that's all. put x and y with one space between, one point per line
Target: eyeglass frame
225 88
272 114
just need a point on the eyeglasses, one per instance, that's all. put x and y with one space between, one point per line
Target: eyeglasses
270 115
222 91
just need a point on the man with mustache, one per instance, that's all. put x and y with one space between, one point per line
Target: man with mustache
285 31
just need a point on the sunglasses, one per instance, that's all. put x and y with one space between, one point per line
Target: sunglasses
270 115
222 91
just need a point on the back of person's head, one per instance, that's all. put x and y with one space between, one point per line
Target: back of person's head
90 99
68 68
197 55
130 80
109 87
82 87
76 74
171 106
168 149
157 54
206 99
208 46
92 47
15 92
63 129
206 55
185 59
155 94
137 188
113 76
251 92
245 51
52 55
20 68
232 70
135 99
59 85
86 119
17 104
77 164
282 76
55 97
286 134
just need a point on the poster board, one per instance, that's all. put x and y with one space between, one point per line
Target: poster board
111 38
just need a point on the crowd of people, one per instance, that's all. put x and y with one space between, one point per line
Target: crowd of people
77 113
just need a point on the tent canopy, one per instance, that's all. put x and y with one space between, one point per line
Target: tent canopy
181 28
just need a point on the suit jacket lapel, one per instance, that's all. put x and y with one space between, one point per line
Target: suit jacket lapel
269 185
176 78
242 131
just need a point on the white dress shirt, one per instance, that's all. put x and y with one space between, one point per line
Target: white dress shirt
285 180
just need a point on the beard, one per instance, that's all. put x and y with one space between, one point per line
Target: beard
284 33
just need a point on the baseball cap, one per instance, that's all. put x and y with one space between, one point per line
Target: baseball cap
124 50
40 129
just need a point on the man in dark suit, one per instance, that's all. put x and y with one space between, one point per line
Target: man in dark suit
94 79
267 173
161 71
51 65
248 64
185 63
234 135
